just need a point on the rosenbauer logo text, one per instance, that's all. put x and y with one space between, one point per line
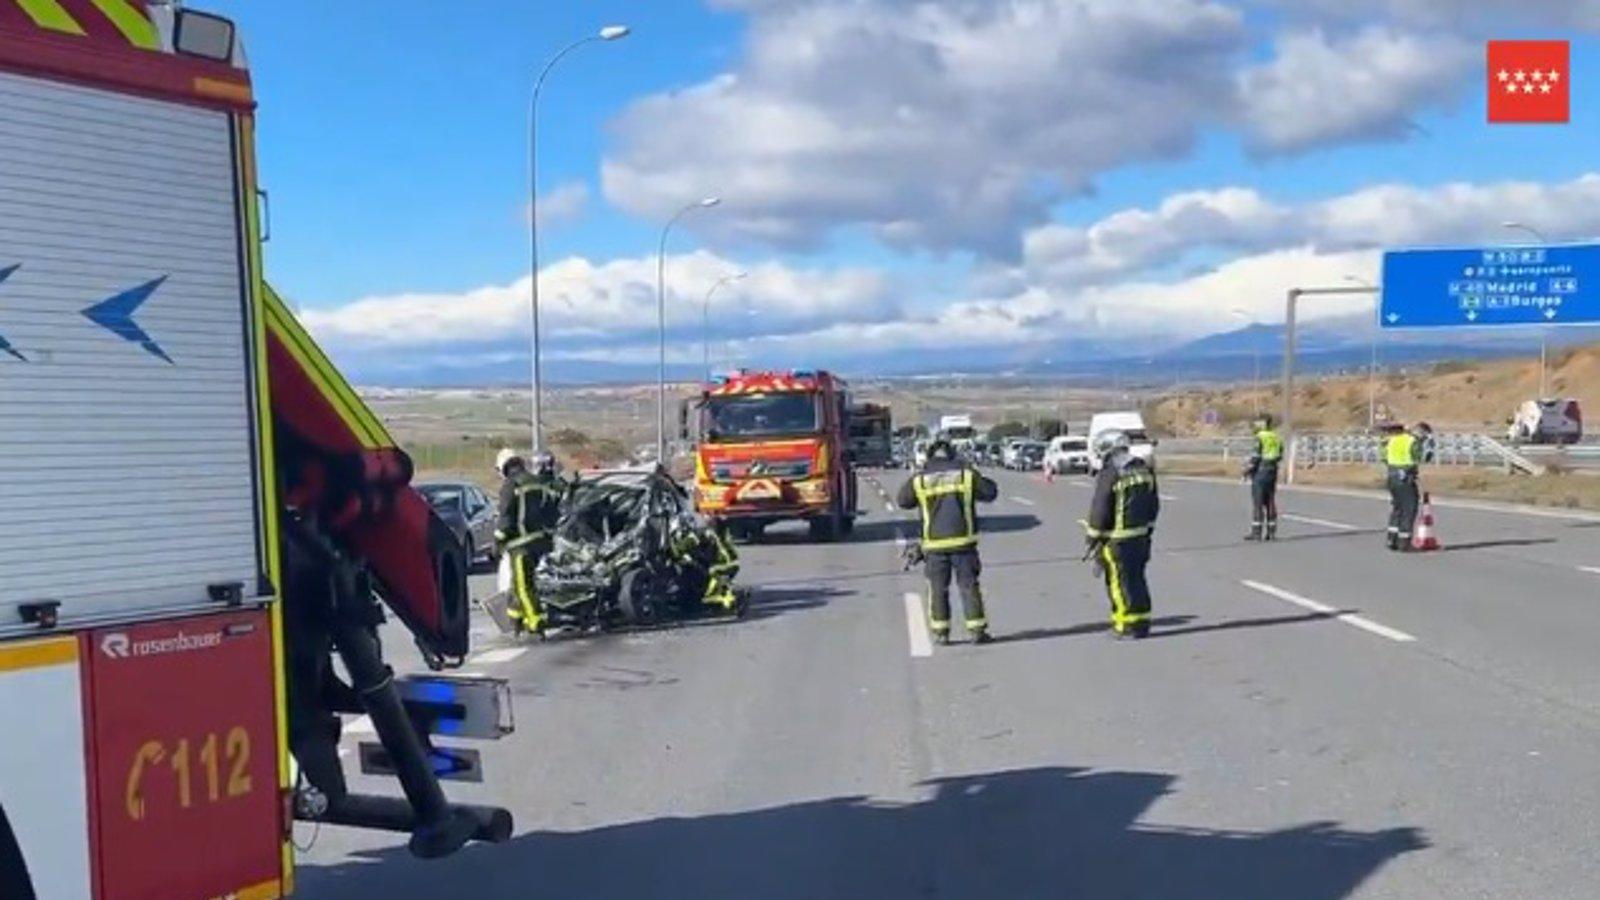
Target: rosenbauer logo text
119 646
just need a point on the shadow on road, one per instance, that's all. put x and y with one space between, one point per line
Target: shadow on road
1085 628
1281 539
1489 545
1164 626
877 530
1043 832
766 602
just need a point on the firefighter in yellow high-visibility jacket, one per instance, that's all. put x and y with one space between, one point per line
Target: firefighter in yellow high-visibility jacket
1122 518
946 492
530 505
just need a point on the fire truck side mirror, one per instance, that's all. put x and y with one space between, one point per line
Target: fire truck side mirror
203 35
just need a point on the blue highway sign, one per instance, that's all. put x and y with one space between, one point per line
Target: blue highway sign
1507 286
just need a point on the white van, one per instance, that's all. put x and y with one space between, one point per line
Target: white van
1130 424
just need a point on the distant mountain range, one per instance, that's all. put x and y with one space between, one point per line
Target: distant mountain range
1324 346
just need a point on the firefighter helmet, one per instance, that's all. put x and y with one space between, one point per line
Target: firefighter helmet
504 459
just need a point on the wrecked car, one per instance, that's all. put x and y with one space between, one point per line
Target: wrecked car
629 550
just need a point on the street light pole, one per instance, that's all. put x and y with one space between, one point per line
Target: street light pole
608 33
1289 317
1544 333
1255 353
705 319
661 323
1372 362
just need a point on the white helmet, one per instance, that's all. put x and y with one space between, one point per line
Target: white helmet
543 463
1108 442
505 458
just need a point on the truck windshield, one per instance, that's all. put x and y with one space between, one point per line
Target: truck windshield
868 427
760 415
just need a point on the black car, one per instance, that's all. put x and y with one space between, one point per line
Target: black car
468 511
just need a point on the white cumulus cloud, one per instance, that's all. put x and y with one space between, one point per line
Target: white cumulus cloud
563 203
588 304
1319 90
940 125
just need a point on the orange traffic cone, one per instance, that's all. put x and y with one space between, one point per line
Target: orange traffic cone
1425 539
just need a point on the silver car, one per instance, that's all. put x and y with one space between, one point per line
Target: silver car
468 511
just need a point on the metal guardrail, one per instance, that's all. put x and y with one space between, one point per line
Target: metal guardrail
1360 448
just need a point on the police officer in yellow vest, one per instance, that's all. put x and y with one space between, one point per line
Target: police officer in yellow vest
1404 453
530 505
1262 473
947 492
1122 517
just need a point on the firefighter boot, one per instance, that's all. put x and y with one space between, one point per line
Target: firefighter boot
1255 532
1272 530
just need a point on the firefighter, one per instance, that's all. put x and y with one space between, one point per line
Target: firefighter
530 504
1262 473
1122 517
1403 454
946 493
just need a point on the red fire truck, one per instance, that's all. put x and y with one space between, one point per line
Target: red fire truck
196 511
775 446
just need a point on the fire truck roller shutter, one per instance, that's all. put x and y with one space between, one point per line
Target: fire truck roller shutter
127 465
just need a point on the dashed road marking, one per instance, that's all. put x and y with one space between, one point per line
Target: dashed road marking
888 506
1024 501
1592 570
916 629
1361 622
1167 498
1323 523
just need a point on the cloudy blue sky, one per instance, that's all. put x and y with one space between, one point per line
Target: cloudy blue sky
974 177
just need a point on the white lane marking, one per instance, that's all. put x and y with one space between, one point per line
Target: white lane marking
1361 622
502 655
1324 523
363 725
1167 498
888 506
916 629
1023 500
1592 570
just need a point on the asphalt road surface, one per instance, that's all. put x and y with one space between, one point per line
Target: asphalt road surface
1314 719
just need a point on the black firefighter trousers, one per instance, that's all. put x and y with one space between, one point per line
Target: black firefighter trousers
1123 564
965 566
1404 498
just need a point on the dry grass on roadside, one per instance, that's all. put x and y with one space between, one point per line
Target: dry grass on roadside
1564 490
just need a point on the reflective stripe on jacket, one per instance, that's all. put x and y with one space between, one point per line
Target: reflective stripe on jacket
1126 500
947 494
529 509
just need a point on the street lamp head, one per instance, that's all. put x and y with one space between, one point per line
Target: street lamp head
614 32
1512 223
709 202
